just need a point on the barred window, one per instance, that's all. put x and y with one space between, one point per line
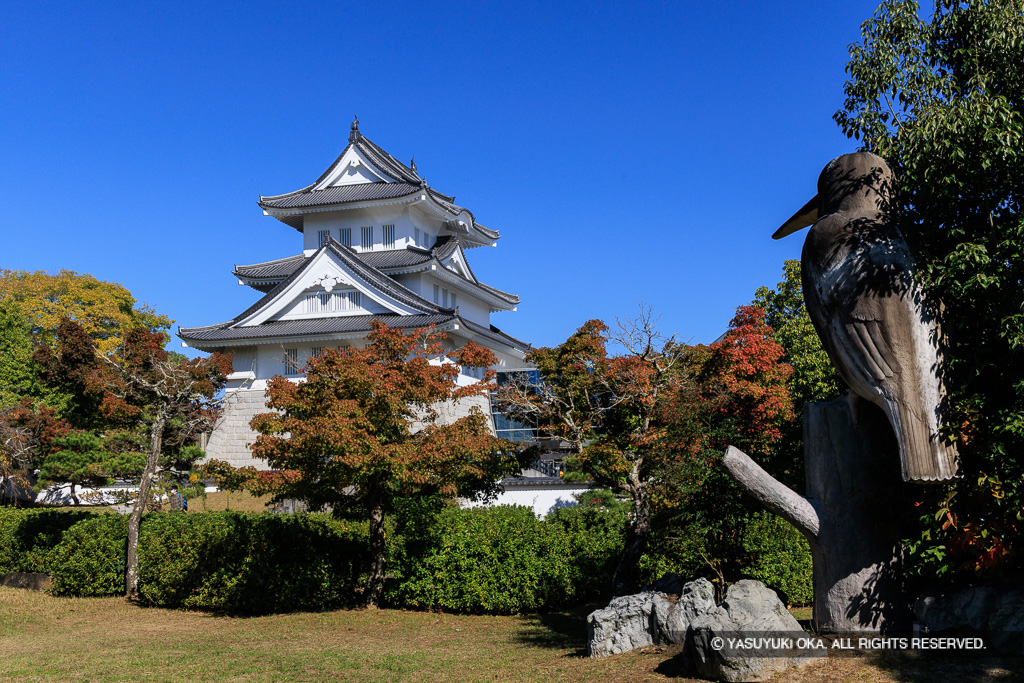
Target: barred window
346 301
346 236
416 240
316 351
291 362
367 241
389 236
322 236
317 302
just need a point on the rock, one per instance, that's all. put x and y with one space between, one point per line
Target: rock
647 618
967 609
999 617
673 619
1005 628
753 612
625 624
33 581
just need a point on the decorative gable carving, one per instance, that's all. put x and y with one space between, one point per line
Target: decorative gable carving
353 169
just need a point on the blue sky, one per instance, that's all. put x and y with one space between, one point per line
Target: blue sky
627 152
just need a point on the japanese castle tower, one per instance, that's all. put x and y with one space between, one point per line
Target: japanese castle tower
378 243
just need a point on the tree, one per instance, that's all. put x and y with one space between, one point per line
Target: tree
942 99
361 431
172 399
105 310
737 395
17 376
813 377
606 408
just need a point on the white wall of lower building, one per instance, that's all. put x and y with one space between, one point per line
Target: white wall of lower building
542 500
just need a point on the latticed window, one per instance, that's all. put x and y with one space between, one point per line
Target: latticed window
322 236
316 351
317 302
367 242
346 236
416 240
346 301
389 236
291 362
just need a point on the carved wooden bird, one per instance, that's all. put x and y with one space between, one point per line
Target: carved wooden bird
875 323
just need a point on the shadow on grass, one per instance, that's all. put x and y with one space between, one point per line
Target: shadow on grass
949 667
560 630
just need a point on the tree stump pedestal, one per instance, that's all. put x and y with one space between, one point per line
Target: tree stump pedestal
853 488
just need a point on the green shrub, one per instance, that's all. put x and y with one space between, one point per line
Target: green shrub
249 563
596 537
779 556
500 559
90 559
28 536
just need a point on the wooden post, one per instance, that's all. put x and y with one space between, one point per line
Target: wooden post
853 483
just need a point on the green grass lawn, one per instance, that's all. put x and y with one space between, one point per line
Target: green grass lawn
43 638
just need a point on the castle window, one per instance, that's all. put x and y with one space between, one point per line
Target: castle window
367 241
346 236
346 301
455 300
316 302
291 362
322 236
437 294
316 351
389 236
416 240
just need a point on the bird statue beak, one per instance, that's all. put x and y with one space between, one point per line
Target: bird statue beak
807 215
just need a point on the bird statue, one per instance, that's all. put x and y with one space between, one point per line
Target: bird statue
875 322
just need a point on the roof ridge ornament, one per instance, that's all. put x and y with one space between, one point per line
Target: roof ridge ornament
412 164
355 134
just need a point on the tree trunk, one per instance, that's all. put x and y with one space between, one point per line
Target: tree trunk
74 498
378 557
625 577
853 479
131 570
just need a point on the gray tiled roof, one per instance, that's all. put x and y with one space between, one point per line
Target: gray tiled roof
341 194
307 327
408 183
275 271
493 333
374 277
279 268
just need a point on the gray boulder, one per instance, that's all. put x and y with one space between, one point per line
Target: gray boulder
997 616
647 618
749 637
967 609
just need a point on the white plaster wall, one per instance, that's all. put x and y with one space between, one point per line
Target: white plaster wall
404 220
543 501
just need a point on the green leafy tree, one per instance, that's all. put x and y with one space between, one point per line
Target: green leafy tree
105 310
362 431
941 97
17 375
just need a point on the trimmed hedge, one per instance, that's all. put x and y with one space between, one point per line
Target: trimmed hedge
90 559
28 536
249 563
500 559
505 560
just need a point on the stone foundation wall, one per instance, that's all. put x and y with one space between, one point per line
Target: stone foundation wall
232 436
